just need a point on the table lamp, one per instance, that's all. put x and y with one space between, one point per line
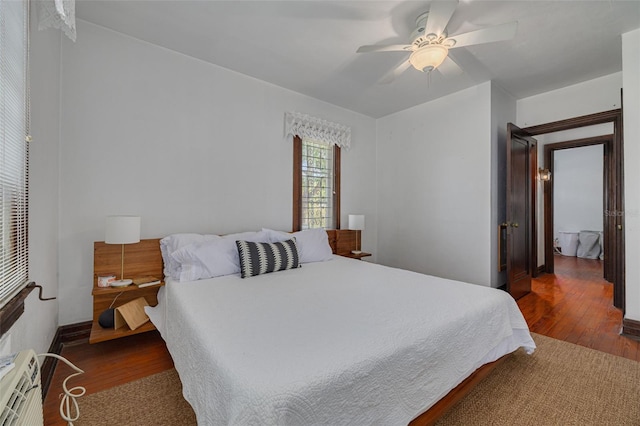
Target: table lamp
122 230
356 222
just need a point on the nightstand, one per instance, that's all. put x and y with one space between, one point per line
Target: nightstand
102 299
356 255
141 259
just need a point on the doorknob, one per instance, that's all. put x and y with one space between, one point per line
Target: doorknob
515 225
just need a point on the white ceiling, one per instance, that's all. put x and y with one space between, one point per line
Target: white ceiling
309 46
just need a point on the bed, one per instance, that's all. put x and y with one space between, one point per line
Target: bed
338 341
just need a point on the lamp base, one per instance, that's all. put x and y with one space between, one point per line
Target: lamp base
356 251
120 283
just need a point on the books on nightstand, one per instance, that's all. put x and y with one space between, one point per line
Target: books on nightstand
146 281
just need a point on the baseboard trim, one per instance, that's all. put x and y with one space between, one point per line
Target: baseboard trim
64 334
631 328
541 270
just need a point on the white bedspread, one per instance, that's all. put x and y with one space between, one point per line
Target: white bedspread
337 342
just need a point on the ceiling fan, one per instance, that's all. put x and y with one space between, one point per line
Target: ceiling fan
430 42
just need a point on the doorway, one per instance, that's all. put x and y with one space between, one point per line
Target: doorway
578 198
613 240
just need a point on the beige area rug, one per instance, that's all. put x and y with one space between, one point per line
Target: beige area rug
154 401
560 384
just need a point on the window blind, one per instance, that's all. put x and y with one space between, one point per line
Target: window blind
14 151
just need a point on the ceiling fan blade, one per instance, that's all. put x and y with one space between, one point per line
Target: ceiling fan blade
378 48
440 12
394 73
449 67
486 35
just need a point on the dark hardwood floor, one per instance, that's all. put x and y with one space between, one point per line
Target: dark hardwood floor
574 304
106 365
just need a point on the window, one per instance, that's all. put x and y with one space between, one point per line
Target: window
316 169
14 153
316 185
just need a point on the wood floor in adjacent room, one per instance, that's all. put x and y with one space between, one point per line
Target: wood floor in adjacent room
574 304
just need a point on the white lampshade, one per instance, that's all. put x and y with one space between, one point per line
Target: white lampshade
122 230
429 57
356 221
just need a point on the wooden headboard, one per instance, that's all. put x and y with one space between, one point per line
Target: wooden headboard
144 258
342 241
140 259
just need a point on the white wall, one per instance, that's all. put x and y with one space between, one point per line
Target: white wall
578 189
186 145
434 187
36 327
600 94
589 97
631 81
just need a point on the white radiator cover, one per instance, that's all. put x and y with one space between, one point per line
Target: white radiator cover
21 393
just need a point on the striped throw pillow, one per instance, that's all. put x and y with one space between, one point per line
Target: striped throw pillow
262 258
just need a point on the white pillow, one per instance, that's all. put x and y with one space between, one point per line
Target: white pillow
212 258
206 259
278 236
313 244
173 242
253 236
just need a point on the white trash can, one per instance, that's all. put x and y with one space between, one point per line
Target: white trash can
568 243
589 245
601 245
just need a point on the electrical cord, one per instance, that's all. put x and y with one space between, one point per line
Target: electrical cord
68 400
114 300
39 287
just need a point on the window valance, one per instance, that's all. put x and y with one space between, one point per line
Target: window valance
58 14
325 131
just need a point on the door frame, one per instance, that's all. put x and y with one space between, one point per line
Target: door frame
615 196
549 220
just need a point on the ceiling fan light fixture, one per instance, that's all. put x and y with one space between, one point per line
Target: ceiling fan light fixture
430 41
429 57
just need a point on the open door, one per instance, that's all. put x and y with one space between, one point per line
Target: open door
522 166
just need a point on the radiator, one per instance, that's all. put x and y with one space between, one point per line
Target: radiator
21 394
